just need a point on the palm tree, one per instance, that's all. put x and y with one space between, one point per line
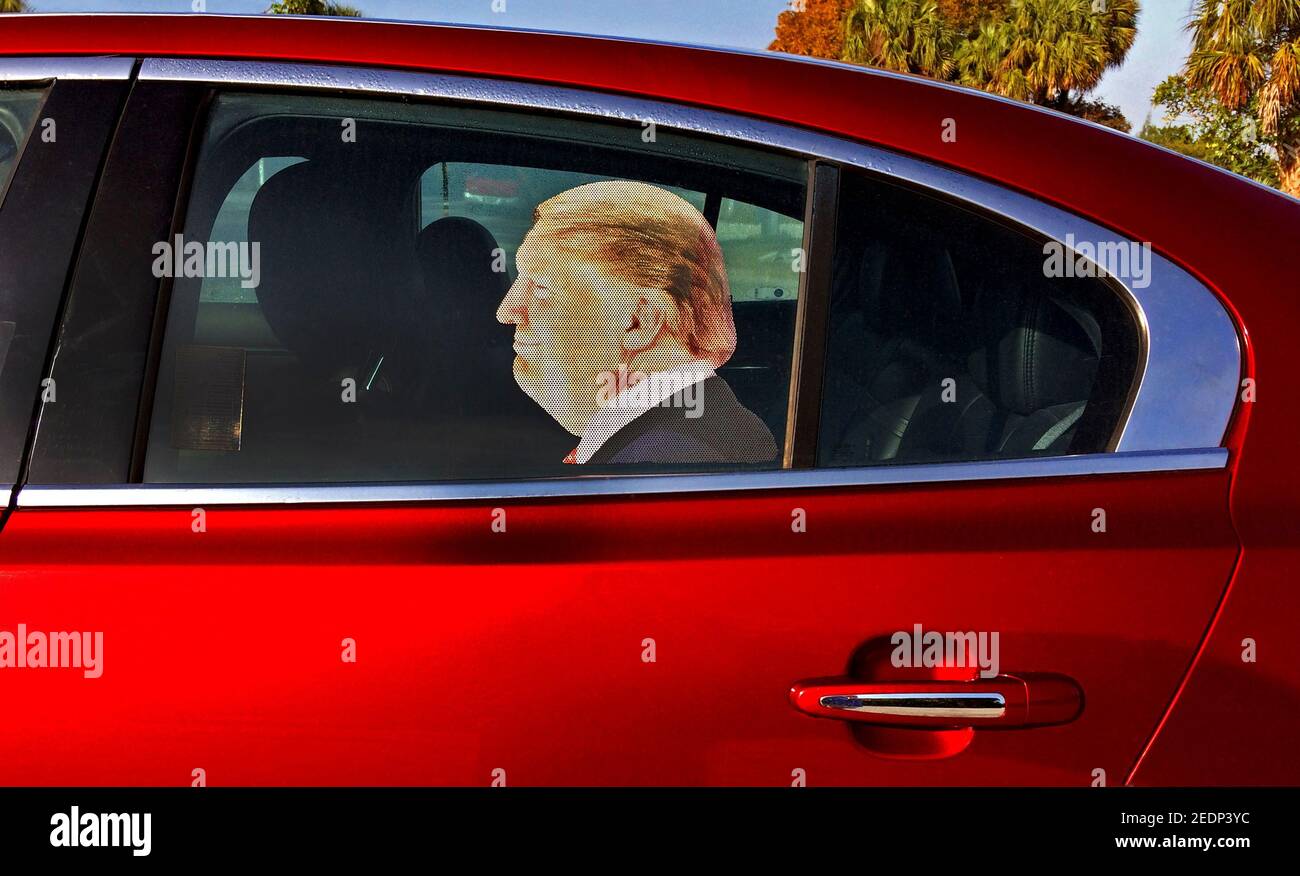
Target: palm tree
1049 52
13 6
978 61
910 36
1246 51
313 7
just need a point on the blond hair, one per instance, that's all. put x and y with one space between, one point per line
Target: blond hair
654 239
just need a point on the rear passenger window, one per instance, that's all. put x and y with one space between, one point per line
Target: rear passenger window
376 291
952 338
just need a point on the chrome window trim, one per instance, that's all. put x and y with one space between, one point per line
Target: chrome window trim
36 69
1186 386
193 496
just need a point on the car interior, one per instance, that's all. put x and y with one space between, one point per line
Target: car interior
948 342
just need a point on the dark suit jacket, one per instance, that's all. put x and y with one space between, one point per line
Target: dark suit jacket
725 432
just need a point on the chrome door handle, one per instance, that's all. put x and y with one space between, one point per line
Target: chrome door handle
1023 700
921 704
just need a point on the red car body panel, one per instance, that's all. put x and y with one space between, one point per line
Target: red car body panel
480 651
523 650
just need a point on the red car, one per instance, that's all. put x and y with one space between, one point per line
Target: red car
391 404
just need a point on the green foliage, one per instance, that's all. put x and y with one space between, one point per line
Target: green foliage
1199 124
313 7
1043 50
1179 138
965 15
1100 112
1048 52
1246 53
910 36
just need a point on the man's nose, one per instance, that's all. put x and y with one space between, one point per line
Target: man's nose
513 310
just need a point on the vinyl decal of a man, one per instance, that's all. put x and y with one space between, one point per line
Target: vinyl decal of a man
622 315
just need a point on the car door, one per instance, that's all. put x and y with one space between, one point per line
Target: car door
327 540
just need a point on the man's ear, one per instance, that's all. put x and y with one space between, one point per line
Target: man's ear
647 319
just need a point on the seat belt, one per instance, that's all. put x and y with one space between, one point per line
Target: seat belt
1060 428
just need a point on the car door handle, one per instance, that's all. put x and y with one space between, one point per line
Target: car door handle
1003 702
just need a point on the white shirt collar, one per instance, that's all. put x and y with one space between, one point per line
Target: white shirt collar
634 401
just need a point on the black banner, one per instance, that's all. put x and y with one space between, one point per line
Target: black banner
124 826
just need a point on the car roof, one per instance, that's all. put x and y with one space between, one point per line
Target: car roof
779 57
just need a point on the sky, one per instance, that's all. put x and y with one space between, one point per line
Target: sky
1159 50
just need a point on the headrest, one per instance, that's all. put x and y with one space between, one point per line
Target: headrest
333 263
909 288
457 257
456 328
1036 349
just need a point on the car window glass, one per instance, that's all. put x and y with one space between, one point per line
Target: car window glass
762 249
231 225
956 337
502 197
18 109
385 291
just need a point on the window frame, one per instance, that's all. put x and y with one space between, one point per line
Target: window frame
1162 429
92 88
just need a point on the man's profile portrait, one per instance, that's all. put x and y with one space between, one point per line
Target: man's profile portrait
622 315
